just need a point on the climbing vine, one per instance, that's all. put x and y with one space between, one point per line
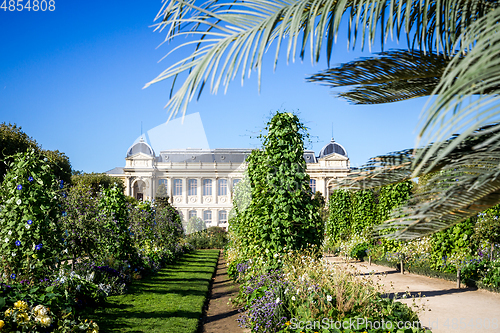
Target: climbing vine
282 214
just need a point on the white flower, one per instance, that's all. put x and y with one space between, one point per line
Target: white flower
267 250
286 290
40 310
276 255
298 291
277 300
27 226
18 201
6 240
328 298
293 298
13 254
10 232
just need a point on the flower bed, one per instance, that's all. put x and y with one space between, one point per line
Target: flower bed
307 294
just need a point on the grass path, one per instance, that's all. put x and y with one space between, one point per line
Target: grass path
170 301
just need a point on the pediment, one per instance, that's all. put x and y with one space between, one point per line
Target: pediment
334 157
140 156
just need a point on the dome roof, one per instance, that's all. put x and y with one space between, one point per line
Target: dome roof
332 147
140 147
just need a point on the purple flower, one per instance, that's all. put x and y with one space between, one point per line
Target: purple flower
19 187
30 178
18 243
13 276
30 222
38 247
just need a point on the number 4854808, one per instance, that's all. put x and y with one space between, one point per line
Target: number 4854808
29 5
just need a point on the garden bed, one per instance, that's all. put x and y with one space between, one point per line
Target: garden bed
171 301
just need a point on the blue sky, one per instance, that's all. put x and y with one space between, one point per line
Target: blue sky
73 79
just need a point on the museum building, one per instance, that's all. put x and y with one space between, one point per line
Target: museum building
200 182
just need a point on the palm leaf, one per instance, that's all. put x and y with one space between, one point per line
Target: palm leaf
232 37
454 111
389 77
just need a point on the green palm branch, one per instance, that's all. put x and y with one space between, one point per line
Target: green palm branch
454 45
231 37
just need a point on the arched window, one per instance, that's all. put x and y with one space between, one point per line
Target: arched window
192 186
222 216
177 187
207 216
312 184
207 186
222 187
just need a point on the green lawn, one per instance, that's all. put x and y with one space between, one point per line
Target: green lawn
170 301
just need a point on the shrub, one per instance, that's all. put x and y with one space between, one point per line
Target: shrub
30 238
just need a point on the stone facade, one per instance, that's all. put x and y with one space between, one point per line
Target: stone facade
199 182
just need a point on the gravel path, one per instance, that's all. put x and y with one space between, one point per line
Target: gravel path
447 308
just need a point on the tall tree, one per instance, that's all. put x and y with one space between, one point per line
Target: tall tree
452 52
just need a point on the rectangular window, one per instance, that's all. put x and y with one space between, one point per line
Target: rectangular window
162 189
235 182
192 186
222 216
207 216
222 187
192 213
177 187
312 184
207 186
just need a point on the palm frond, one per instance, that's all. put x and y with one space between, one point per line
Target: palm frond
455 110
459 191
459 186
388 77
232 37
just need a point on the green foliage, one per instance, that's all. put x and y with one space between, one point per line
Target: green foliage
30 238
282 213
96 181
211 238
195 224
451 243
84 224
362 211
339 221
113 203
488 226
359 251
60 165
13 140
390 197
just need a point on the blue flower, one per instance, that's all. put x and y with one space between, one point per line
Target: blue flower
30 222
64 214
38 247
18 243
62 184
19 187
65 195
13 276
30 178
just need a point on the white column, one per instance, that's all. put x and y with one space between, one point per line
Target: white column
184 190
214 190
169 189
199 190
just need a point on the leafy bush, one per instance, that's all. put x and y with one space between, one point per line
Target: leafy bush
30 238
359 251
211 238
